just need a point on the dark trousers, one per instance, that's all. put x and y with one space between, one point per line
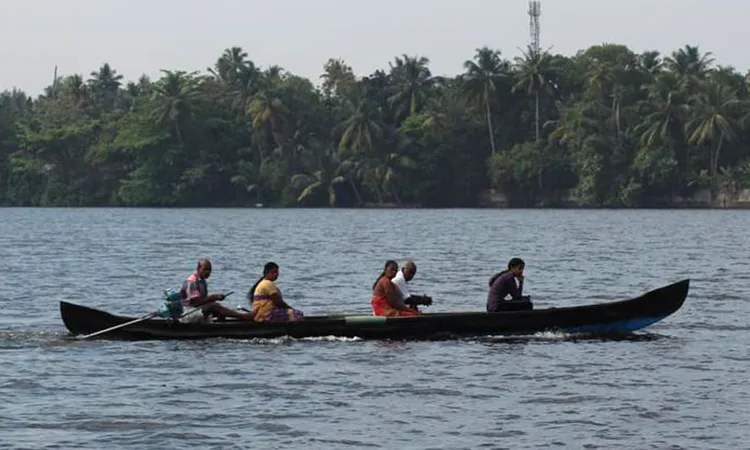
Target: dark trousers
516 304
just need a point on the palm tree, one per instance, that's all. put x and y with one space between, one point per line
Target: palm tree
106 79
75 91
384 170
713 122
273 76
536 72
238 76
326 176
445 110
354 168
665 112
15 102
136 93
338 79
481 79
577 121
650 63
611 81
269 116
690 65
228 66
105 84
175 95
362 132
412 82
248 177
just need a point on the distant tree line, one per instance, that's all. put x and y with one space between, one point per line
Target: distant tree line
606 127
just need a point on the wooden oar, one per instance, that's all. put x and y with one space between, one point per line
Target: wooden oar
146 317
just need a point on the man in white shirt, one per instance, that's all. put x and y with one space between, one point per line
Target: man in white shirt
403 276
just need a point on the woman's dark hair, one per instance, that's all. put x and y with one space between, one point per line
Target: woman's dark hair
267 268
388 263
514 262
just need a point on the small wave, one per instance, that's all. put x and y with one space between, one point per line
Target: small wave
26 338
563 398
100 425
715 327
20 383
351 442
411 390
289 339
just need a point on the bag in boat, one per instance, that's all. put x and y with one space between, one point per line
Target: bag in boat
171 306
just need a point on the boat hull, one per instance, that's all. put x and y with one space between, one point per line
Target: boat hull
618 317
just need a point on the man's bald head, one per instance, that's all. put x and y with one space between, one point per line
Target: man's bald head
410 269
204 267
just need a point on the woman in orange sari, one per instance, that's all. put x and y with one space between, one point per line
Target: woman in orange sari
266 300
385 300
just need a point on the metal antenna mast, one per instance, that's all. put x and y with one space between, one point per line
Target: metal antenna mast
535 10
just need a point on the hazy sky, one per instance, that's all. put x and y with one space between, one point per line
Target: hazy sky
144 36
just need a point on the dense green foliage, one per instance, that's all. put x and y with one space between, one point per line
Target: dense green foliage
606 127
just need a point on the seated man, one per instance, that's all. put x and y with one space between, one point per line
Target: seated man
403 276
508 282
194 294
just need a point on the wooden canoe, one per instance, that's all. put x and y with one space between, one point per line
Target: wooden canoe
617 317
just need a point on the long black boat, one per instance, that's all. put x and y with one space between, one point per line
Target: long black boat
617 317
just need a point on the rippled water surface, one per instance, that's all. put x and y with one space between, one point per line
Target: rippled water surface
681 383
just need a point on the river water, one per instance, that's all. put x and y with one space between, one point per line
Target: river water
679 384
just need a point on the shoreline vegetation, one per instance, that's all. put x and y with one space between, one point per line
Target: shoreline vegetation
604 128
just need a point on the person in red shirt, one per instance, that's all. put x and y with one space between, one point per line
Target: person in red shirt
385 299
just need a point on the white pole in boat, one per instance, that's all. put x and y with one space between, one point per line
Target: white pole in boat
146 317
200 308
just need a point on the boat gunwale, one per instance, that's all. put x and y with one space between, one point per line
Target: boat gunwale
669 297
333 316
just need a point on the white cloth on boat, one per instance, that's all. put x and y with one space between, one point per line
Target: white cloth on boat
195 317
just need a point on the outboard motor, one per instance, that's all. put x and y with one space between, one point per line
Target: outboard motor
171 306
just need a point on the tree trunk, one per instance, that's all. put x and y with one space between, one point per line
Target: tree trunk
617 119
331 196
714 169
536 118
276 139
356 191
179 133
379 195
394 191
489 127
616 110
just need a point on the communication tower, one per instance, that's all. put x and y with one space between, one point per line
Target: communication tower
535 11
